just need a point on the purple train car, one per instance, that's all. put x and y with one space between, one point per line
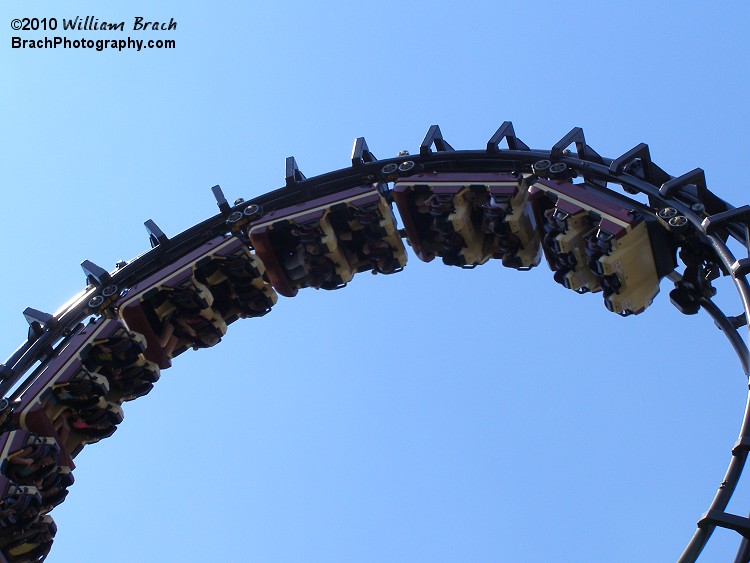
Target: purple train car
32 480
77 395
596 243
322 243
468 218
189 303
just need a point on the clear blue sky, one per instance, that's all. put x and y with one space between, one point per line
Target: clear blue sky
435 415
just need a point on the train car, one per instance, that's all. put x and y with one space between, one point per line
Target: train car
322 243
189 303
34 477
28 458
237 280
76 395
29 544
468 218
25 532
596 242
20 506
117 354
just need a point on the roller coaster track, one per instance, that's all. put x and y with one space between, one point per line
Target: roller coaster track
700 223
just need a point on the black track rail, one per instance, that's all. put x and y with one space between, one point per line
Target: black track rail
712 222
